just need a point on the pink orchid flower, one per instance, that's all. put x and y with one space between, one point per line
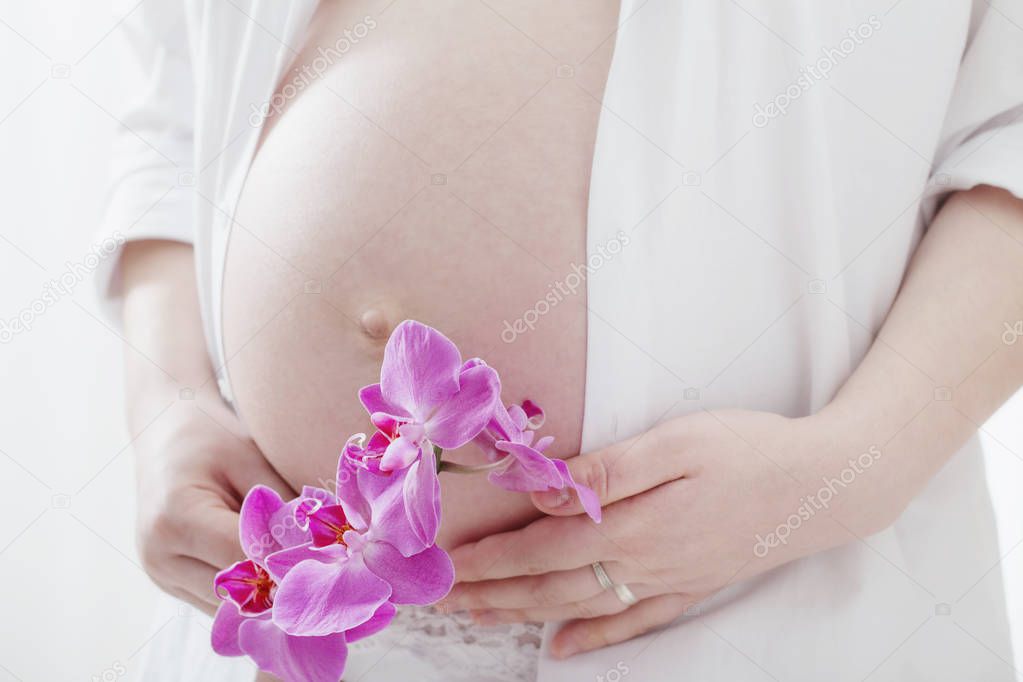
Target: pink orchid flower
349 569
404 502
327 569
243 624
426 395
509 436
295 659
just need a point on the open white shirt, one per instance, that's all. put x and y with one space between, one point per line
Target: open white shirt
775 165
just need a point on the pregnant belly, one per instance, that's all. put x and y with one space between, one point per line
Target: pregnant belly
438 170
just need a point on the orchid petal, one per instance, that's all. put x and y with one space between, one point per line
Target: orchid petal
412 431
543 443
588 498
279 563
420 579
372 398
349 496
289 524
224 635
500 427
534 414
529 471
399 454
380 620
503 425
319 494
323 598
385 493
388 424
518 417
421 494
420 369
310 659
247 585
485 440
327 525
255 526
374 449
459 419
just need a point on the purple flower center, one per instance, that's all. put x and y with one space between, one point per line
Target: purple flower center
262 590
249 586
328 526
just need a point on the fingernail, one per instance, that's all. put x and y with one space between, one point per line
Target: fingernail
447 606
563 647
553 499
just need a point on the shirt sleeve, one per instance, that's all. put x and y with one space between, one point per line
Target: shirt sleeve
982 138
151 192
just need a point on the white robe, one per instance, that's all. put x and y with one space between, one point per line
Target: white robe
774 173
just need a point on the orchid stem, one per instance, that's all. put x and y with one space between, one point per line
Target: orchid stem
472 469
438 452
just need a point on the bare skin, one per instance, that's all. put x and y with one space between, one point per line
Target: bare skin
973 237
409 181
456 195
193 462
968 268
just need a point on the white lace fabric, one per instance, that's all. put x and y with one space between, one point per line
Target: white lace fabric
429 646
421 644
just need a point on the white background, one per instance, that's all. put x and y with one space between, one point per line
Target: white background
75 602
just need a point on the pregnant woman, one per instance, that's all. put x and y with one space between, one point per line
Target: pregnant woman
754 261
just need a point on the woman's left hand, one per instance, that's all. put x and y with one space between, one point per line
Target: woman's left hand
690 506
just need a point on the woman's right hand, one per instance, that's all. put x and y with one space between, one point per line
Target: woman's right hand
194 461
194 465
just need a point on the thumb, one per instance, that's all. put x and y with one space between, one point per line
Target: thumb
614 473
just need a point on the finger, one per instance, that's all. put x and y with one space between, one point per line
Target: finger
559 588
603 604
586 635
191 600
252 470
195 578
213 538
616 472
245 465
544 546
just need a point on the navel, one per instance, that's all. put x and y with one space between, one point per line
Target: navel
374 323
